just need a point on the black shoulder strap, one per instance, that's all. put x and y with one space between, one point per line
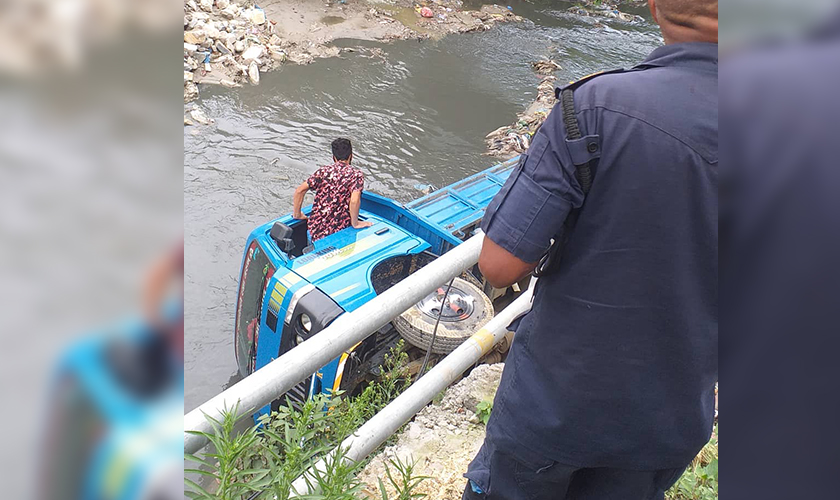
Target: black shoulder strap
583 172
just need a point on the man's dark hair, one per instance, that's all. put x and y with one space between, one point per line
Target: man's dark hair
342 149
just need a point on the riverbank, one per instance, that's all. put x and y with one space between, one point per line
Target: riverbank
231 43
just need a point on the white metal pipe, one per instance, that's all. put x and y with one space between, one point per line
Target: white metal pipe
376 430
273 380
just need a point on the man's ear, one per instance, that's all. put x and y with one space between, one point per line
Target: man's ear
335 160
652 6
350 158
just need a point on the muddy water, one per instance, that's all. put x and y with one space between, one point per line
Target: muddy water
417 116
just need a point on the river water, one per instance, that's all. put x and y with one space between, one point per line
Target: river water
417 116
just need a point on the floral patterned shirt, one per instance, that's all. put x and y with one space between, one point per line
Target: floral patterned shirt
333 185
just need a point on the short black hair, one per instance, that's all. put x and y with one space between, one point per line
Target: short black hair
342 149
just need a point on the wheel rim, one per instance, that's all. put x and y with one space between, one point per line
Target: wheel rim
459 305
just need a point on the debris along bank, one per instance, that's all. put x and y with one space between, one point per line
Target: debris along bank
510 140
230 42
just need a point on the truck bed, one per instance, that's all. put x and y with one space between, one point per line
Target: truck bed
459 207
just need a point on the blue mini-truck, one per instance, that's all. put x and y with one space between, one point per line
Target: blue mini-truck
289 289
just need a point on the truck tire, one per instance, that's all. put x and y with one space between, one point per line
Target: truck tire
468 310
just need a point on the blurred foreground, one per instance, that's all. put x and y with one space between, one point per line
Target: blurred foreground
780 241
90 197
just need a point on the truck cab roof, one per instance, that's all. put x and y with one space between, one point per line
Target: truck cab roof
340 264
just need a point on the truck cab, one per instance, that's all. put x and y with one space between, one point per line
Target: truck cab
289 289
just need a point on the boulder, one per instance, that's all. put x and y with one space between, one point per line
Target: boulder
188 76
221 48
255 16
190 91
194 37
222 4
277 54
198 115
254 73
190 64
230 12
253 52
206 5
239 46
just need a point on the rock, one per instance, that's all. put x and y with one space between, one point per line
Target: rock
222 4
277 54
221 47
190 48
190 91
188 76
195 37
198 115
253 52
191 6
228 83
206 5
239 46
255 16
254 73
230 12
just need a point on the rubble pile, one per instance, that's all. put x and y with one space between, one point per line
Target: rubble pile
511 140
231 42
442 439
228 43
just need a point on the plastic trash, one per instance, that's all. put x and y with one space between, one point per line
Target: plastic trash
426 12
510 8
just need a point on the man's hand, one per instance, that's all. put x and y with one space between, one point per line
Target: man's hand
500 267
362 224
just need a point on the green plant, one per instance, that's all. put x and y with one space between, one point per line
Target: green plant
483 410
700 479
271 456
336 480
230 463
406 481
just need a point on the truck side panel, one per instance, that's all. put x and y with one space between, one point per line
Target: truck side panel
459 207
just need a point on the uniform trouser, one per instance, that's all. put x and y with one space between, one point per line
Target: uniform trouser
512 479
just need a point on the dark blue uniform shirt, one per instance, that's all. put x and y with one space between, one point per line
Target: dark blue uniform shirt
616 363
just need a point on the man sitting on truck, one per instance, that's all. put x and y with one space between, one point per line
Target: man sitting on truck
338 194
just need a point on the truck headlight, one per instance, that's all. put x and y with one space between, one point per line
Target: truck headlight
306 322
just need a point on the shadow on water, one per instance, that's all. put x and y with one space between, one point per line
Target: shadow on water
417 114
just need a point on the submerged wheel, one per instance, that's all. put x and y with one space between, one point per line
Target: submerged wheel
466 310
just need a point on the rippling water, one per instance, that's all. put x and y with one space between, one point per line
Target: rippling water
416 116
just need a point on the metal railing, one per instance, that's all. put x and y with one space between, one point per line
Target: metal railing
273 380
375 431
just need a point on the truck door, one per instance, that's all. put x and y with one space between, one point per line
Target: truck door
257 271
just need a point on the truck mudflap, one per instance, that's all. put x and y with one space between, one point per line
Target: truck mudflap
459 207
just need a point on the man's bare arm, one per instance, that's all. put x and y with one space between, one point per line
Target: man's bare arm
500 267
355 204
300 192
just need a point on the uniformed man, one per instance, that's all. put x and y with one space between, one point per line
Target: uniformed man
608 390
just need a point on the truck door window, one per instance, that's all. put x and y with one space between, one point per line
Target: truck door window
256 273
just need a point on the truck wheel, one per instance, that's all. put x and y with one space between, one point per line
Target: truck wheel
466 310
